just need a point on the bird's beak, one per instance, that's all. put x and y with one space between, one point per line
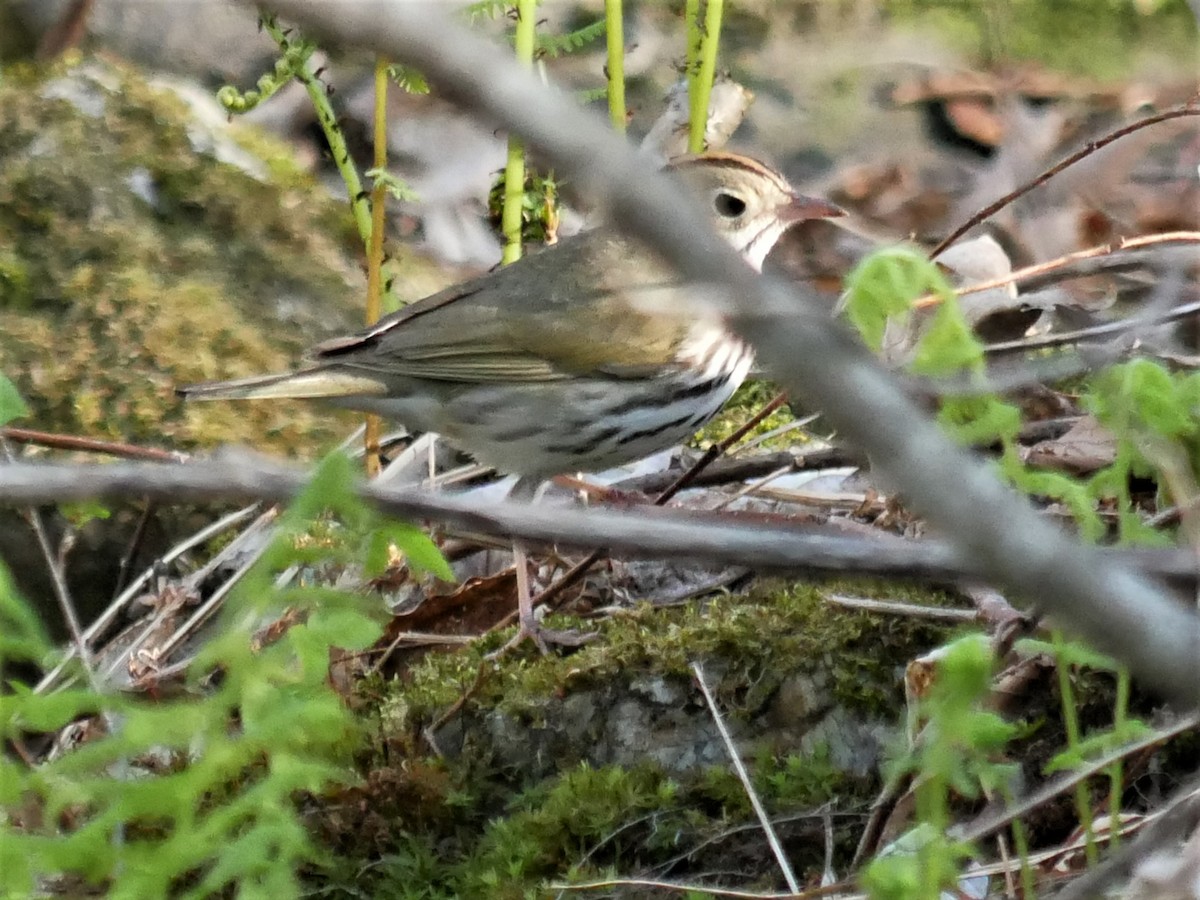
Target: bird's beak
801 208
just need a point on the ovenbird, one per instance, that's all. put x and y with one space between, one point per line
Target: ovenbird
555 364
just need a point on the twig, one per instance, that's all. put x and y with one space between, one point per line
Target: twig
992 821
1032 271
57 580
89 445
430 731
581 568
129 557
740 768
1189 109
1180 816
713 453
889 608
763 543
1095 331
681 887
106 618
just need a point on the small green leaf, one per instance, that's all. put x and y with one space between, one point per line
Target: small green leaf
418 548
11 404
884 285
408 79
84 511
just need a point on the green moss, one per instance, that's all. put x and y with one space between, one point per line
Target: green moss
111 296
743 406
16 287
1100 38
502 832
761 637
590 822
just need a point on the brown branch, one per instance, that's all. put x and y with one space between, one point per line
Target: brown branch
1191 108
1042 268
1094 332
763 543
89 445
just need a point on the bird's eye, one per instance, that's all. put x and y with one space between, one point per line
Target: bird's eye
727 205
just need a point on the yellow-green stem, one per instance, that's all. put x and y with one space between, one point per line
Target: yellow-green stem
1116 772
695 34
333 136
375 247
698 98
1021 845
1083 806
614 30
514 170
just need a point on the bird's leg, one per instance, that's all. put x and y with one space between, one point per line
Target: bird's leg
528 627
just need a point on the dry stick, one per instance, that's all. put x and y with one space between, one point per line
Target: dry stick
772 839
1191 108
713 453
890 608
1170 824
129 557
59 582
89 445
430 731
1095 331
764 543
106 618
1061 262
683 887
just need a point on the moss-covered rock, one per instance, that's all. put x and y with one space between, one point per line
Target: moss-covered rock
144 244
608 760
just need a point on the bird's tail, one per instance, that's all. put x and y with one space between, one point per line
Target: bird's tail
312 384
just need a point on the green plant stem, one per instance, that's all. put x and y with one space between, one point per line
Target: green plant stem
1116 772
333 135
1083 807
932 793
700 89
1021 845
614 31
514 169
691 21
375 248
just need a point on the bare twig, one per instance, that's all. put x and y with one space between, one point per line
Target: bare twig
890 608
1094 332
740 768
58 580
89 445
680 887
106 618
1191 108
1037 269
1175 819
763 543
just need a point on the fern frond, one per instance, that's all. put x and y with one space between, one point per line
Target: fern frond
555 45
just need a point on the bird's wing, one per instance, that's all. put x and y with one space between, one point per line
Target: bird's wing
490 330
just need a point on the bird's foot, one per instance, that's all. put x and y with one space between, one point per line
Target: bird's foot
530 629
